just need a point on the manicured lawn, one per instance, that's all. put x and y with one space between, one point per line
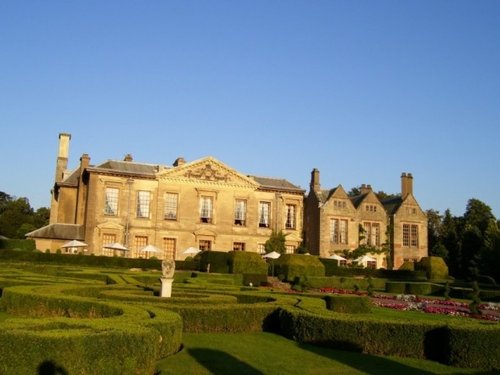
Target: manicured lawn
266 353
4 315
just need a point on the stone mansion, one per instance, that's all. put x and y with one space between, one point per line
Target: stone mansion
208 205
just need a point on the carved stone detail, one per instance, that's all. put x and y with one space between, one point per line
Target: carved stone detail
208 173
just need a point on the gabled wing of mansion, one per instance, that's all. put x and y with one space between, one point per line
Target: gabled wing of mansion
208 205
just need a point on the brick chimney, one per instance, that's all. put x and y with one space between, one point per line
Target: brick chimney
406 184
315 185
62 156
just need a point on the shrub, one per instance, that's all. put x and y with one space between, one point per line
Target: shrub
407 266
292 265
218 261
256 279
434 267
395 287
246 262
348 304
28 245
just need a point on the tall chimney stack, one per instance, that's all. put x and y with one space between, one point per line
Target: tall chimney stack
315 185
62 156
406 184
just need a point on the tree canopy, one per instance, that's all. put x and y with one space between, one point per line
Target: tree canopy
470 244
17 217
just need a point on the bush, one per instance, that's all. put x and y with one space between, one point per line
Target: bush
348 304
458 345
81 260
218 261
256 279
434 267
28 245
407 266
246 262
395 287
292 265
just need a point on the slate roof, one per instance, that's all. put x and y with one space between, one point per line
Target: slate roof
277 184
128 167
391 205
59 231
357 199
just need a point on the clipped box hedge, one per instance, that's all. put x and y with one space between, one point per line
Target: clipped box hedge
290 266
11 244
246 263
471 346
79 260
348 304
218 261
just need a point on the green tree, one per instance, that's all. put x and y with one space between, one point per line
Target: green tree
18 218
449 238
276 242
433 228
478 214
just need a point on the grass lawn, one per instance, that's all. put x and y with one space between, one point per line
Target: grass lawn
4 315
266 353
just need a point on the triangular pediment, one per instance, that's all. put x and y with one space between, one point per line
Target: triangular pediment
410 201
208 170
340 193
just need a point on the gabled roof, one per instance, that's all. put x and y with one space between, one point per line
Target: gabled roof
391 205
357 199
59 231
276 184
325 194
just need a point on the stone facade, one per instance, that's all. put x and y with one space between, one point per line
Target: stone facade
203 204
335 222
207 205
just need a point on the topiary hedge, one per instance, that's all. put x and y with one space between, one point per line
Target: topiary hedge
456 345
28 245
246 263
348 304
218 261
78 259
434 267
291 266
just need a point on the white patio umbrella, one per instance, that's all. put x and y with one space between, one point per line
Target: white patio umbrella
272 255
74 243
150 249
191 251
116 246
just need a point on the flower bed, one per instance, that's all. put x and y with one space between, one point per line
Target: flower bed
404 302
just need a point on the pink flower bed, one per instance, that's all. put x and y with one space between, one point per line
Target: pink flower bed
490 311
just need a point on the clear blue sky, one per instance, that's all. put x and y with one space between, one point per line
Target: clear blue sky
361 90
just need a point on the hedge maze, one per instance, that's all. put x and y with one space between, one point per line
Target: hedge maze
88 320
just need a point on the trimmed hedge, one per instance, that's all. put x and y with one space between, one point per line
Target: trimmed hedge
246 263
83 345
78 259
348 304
291 266
345 282
332 269
28 245
471 346
218 261
434 267
421 289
